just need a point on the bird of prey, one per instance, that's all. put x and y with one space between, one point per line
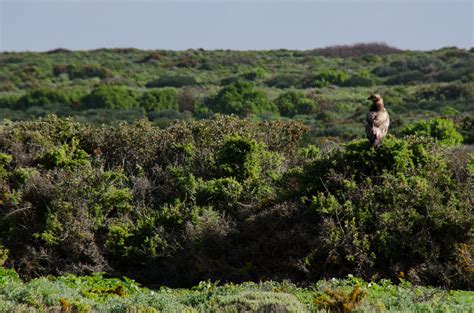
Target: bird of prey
377 121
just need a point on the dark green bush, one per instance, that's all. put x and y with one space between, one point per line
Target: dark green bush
406 78
326 78
453 91
159 99
44 96
242 99
285 81
386 208
453 74
292 102
9 101
359 80
112 97
172 81
385 71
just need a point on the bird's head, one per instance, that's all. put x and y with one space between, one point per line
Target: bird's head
377 102
375 97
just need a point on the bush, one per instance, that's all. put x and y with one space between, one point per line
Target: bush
441 129
75 71
112 97
453 91
160 99
176 81
231 199
9 101
45 96
356 50
242 99
406 78
359 80
453 74
385 71
285 81
292 102
153 57
384 208
326 78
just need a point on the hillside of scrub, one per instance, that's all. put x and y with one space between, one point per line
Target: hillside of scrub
326 89
99 294
234 200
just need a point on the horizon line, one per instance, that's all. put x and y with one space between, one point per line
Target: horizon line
352 45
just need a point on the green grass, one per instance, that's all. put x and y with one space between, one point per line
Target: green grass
96 293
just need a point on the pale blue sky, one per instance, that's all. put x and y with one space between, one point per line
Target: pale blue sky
259 24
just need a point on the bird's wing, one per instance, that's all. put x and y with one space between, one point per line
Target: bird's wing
369 124
369 119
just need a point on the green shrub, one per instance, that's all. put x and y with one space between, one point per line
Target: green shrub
285 81
75 71
160 99
44 96
112 97
326 78
359 80
172 81
453 91
292 103
441 129
240 158
406 78
242 99
224 191
383 208
9 101
65 156
5 159
232 199
385 71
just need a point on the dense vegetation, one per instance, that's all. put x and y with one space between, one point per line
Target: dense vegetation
324 88
233 200
201 166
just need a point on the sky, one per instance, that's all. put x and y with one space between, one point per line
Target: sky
41 25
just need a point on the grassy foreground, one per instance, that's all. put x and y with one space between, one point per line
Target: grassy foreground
96 293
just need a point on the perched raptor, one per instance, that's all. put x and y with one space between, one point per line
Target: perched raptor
377 121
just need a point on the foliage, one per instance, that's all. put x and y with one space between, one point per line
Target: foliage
291 103
44 96
172 81
112 97
97 293
82 71
242 99
181 194
232 199
160 99
415 85
326 78
381 208
443 130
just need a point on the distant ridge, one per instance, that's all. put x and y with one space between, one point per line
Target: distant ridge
355 50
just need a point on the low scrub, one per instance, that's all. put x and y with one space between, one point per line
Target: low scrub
98 294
